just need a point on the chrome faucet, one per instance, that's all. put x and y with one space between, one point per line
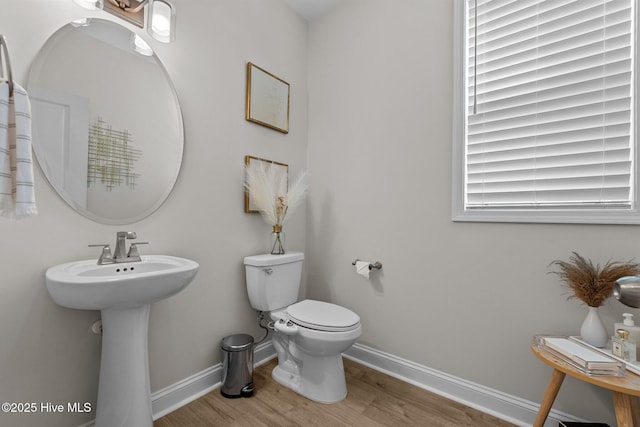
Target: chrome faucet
120 254
121 247
121 244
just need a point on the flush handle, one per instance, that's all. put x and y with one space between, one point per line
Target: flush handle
268 270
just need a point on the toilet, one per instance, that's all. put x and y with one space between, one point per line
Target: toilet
309 335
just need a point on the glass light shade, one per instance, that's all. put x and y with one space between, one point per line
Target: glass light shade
90 4
162 21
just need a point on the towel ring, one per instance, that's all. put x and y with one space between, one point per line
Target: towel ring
5 50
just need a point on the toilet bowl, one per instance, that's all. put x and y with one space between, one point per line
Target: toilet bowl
310 352
309 336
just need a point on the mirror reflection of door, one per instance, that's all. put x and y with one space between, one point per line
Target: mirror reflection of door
66 118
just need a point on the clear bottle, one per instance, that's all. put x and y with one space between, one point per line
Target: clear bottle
622 346
629 325
277 241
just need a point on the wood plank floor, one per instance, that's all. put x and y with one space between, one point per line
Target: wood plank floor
374 399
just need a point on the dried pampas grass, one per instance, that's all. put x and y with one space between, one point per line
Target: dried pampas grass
591 284
267 187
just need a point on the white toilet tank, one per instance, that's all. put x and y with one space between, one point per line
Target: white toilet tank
273 281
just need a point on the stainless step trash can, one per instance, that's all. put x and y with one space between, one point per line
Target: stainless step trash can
237 366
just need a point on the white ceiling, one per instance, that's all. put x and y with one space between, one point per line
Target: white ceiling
309 9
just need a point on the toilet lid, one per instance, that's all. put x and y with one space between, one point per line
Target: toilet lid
322 316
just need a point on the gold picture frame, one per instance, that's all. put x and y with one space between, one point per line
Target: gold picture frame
267 99
248 160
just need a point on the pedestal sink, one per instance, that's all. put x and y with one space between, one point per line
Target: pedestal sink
123 292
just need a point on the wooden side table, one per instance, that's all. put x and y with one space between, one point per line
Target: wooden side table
625 390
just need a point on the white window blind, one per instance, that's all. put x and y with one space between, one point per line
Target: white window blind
549 104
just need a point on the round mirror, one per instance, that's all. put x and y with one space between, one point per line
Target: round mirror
106 123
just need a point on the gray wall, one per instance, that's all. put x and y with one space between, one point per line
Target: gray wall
458 297
463 298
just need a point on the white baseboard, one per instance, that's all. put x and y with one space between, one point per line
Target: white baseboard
513 409
189 389
179 394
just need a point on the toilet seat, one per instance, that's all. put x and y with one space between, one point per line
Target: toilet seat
322 316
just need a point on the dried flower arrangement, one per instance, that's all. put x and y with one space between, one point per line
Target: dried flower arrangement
267 188
591 284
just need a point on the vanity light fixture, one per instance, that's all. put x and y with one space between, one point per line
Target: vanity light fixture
161 16
131 11
162 21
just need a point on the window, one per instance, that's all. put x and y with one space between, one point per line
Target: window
544 111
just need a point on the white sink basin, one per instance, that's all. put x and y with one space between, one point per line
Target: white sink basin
123 293
84 285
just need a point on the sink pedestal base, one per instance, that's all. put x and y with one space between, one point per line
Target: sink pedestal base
124 395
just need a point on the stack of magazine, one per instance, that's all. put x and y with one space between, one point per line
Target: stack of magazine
580 356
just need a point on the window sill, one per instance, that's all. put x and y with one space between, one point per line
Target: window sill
627 217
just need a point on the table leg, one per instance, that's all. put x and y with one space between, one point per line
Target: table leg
549 397
635 409
626 409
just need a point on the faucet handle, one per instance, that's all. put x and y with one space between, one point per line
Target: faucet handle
133 250
105 256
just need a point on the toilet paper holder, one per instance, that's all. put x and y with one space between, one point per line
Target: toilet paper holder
375 265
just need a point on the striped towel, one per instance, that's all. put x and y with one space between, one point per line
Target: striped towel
17 195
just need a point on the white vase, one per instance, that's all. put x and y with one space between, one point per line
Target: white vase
592 329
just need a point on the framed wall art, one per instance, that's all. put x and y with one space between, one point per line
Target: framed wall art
267 99
251 161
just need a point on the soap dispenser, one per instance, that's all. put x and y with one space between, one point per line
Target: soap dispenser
629 325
